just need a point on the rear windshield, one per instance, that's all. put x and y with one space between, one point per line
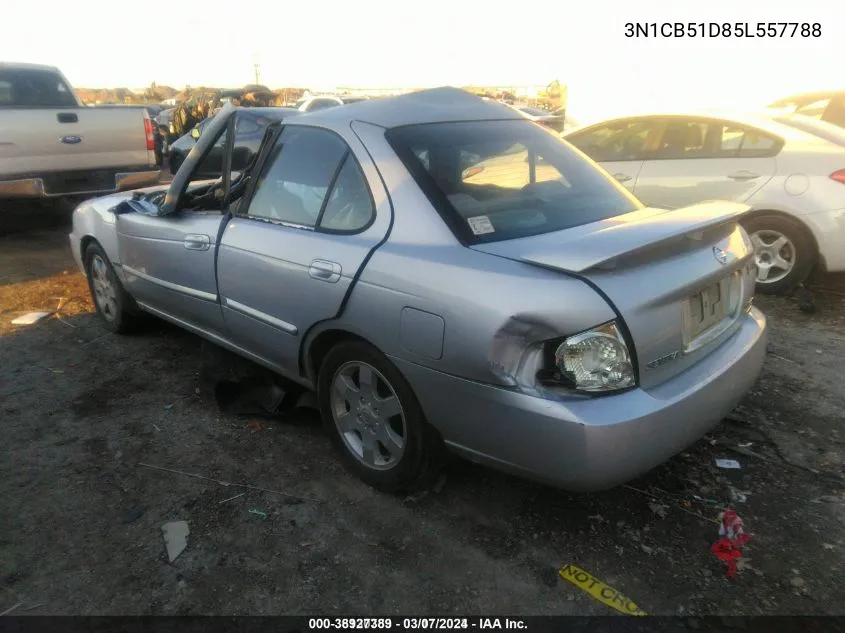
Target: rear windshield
500 180
34 89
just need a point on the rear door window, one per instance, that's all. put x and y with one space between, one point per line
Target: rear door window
692 139
312 180
684 139
739 142
297 176
616 141
496 180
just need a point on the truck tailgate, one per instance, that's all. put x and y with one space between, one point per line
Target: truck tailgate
35 141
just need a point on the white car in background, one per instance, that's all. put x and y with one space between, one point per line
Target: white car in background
314 103
793 180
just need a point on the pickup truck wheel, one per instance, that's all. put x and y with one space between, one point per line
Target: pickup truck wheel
114 305
374 419
783 251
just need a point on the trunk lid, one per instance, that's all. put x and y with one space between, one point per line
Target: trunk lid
680 279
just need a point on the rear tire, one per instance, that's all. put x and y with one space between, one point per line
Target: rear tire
784 253
116 308
374 419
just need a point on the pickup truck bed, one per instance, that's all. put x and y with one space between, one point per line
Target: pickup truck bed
51 145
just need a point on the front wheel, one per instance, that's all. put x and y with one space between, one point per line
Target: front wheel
114 305
374 419
783 251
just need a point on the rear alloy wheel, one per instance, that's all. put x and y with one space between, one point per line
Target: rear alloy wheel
374 419
368 415
783 252
114 305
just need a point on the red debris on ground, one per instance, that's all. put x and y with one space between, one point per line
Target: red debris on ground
729 547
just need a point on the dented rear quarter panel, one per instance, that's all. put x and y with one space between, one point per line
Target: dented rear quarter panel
476 296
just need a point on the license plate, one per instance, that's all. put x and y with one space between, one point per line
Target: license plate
706 309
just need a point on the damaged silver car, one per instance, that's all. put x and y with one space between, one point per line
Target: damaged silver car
445 273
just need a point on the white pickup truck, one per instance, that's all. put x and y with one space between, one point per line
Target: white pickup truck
52 146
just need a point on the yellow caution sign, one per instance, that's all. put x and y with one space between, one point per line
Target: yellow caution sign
600 591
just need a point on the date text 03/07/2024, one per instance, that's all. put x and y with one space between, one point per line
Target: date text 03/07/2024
748 30
414 624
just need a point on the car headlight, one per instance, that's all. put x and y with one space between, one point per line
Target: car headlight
596 360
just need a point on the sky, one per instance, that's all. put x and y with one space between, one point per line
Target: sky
322 44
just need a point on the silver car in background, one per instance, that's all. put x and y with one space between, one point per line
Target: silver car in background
443 272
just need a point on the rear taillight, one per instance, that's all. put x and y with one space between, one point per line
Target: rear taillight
148 130
839 176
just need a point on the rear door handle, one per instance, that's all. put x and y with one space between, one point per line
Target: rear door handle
67 117
622 177
323 270
197 242
743 175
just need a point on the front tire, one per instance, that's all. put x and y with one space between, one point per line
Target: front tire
783 251
114 305
375 421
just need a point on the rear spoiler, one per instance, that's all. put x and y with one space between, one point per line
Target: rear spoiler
688 222
599 244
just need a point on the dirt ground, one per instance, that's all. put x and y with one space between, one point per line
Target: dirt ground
80 530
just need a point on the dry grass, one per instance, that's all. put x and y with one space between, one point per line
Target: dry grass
66 293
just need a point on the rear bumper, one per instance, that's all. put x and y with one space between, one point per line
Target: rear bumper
50 186
594 443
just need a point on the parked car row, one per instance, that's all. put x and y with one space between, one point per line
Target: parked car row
445 274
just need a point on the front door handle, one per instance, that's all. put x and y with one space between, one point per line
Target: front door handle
197 242
622 177
323 270
743 174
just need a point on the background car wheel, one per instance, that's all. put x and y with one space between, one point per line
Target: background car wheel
783 251
114 305
373 417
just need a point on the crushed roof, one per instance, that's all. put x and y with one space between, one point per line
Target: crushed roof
436 105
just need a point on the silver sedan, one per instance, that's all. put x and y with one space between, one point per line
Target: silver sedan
445 274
